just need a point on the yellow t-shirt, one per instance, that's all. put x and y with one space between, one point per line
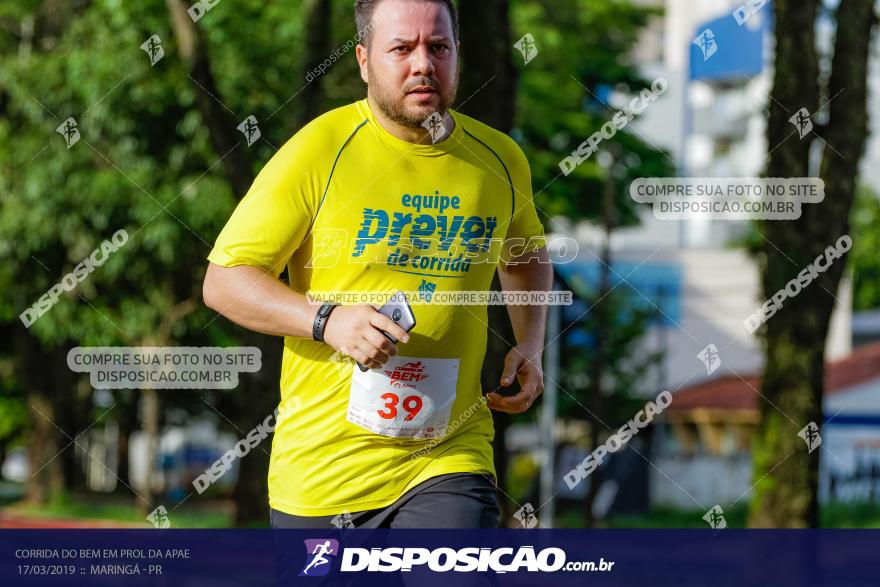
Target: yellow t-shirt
338 205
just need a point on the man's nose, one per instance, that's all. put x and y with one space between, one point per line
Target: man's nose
422 61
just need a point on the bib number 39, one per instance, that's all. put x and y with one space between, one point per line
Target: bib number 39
407 397
412 405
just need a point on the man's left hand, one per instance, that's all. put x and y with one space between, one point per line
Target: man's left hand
524 364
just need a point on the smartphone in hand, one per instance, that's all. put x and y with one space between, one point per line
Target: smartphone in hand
399 310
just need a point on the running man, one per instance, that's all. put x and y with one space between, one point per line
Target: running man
319 552
373 197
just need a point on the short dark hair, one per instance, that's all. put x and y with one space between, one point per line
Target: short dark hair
363 17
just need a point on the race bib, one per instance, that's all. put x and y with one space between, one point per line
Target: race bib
407 397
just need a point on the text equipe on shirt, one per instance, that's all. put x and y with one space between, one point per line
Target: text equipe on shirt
438 202
437 233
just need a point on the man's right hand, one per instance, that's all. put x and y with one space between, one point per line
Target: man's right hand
356 331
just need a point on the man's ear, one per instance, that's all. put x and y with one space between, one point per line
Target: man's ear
361 53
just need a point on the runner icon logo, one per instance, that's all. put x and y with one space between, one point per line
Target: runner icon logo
320 554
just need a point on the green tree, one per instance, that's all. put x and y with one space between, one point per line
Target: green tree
583 51
785 494
146 162
866 243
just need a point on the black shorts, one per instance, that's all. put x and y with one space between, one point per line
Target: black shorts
454 500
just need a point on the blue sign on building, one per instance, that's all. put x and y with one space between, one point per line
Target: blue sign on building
724 49
653 286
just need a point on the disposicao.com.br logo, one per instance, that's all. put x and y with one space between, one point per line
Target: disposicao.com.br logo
443 559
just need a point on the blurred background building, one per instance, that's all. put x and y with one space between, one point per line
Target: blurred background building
712 121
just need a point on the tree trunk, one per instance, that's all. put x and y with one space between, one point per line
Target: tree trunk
317 42
221 122
150 415
488 76
46 474
255 399
127 417
73 411
500 341
487 92
600 310
794 338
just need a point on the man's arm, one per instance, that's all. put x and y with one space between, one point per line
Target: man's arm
529 272
256 300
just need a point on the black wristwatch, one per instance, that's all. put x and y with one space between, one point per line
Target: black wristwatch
321 320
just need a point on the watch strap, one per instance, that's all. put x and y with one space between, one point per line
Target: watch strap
320 322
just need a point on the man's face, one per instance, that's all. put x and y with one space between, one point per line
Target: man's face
411 66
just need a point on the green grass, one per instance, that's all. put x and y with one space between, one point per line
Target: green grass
835 515
672 518
855 515
658 518
217 514
125 510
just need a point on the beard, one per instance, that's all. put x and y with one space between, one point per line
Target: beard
391 101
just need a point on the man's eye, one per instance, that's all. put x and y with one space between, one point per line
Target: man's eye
400 49
441 47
